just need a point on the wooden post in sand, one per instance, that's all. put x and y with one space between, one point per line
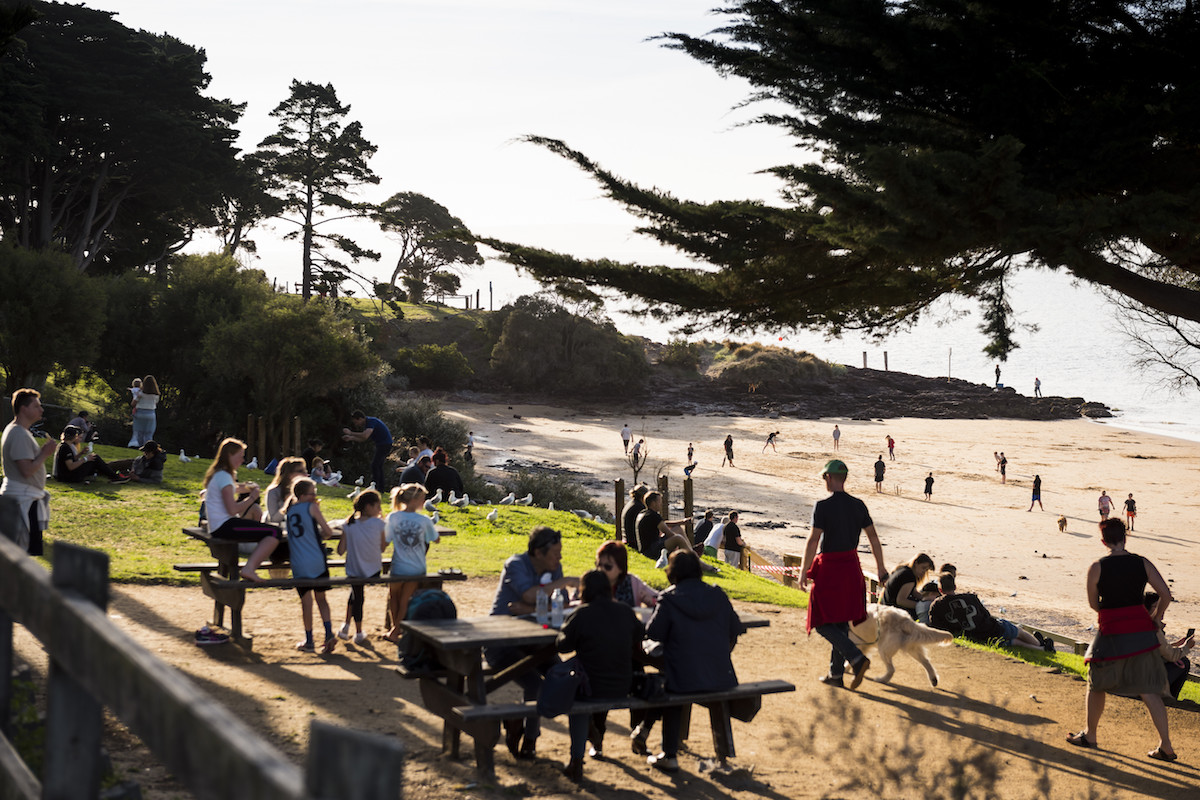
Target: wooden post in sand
619 505
864 359
665 491
687 508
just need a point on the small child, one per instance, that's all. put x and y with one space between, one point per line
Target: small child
363 542
135 391
306 528
411 534
320 470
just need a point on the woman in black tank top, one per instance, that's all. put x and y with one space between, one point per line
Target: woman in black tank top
1123 657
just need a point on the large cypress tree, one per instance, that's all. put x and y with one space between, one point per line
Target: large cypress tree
958 141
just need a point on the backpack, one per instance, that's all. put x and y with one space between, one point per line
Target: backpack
427 604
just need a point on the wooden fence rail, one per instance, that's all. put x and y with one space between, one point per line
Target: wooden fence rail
95 665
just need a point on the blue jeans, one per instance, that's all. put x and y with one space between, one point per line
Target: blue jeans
838 635
381 454
145 422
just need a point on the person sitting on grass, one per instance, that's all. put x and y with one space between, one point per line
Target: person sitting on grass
1174 654
306 530
146 468
965 615
901 588
72 467
410 533
656 534
364 538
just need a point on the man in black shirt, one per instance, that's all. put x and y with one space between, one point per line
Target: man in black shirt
654 534
703 529
733 541
629 516
965 615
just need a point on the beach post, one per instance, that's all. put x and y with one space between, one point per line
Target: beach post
619 491
665 490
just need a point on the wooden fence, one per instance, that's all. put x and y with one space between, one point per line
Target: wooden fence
94 665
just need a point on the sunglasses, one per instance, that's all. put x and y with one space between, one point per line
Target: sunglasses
609 567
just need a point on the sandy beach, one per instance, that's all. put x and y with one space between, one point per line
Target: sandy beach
1016 560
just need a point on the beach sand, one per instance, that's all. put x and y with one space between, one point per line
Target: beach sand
1018 562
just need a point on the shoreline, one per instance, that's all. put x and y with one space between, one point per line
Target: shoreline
1017 561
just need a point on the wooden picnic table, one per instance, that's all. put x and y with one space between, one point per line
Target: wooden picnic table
229 591
465 681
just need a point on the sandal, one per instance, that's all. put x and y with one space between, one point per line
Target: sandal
1080 740
1158 754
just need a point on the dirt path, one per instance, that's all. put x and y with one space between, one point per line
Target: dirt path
1000 722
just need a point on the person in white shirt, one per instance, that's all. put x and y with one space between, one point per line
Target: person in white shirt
24 501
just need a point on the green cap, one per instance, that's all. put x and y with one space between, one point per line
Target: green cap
835 467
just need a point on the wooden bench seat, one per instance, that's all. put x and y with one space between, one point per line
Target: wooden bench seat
213 566
503 711
1079 648
327 583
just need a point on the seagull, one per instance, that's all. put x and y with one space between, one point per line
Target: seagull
436 516
437 497
336 477
527 500
507 501
183 456
359 482
372 488
354 494
491 517
431 506
453 499
253 463
550 506
579 512
465 500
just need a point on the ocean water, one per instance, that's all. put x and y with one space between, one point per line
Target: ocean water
1069 337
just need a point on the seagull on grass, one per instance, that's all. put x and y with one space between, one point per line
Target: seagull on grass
183 456
253 463
491 517
508 500
579 512
527 500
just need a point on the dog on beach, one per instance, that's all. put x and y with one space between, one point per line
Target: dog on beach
1062 523
888 630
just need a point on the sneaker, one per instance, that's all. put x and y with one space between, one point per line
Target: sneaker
360 638
663 764
330 643
859 671
206 637
344 633
118 481
306 647
832 680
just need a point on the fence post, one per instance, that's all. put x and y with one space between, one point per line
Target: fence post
6 673
74 719
619 489
345 764
262 442
664 488
250 435
688 510
296 448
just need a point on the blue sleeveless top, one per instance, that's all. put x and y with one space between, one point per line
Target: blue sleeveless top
304 544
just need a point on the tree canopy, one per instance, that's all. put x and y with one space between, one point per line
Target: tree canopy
432 242
954 143
109 150
313 163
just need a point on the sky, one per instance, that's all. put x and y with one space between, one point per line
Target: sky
446 88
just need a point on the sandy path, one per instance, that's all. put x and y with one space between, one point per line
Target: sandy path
1014 559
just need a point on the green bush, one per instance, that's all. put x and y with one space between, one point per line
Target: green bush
768 367
433 366
548 487
682 355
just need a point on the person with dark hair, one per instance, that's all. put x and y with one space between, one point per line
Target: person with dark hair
538 569
417 471
655 534
732 542
82 422
1174 654
629 516
145 412
373 430
901 588
880 469
702 530
443 476
964 614
147 467
24 501
1130 511
311 452
929 487
698 628
1036 497
833 575
1123 657
604 635
728 451
70 466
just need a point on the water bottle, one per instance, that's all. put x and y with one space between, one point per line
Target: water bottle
556 611
543 608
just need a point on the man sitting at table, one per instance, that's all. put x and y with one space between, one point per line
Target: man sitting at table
539 568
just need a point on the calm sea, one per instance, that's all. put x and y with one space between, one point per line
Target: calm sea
1076 348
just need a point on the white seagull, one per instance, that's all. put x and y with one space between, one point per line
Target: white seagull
491 517
460 502
527 500
359 482
183 456
253 463
550 506
436 516
508 501
430 506
579 512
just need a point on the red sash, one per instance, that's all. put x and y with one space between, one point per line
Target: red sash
1129 619
839 592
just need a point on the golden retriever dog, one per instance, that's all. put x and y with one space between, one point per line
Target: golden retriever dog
888 630
1062 524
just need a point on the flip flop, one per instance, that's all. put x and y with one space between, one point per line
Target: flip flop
1080 740
1158 754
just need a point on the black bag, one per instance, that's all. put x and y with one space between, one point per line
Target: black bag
649 686
424 605
563 683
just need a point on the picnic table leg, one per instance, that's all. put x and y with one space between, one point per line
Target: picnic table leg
685 723
722 730
452 736
485 751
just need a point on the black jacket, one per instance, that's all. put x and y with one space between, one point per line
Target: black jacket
698 628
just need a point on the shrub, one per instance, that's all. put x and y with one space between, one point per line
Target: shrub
433 366
769 367
550 487
681 355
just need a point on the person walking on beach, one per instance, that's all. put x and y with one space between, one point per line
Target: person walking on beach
1130 511
996 455
1037 494
771 442
626 435
997 376
1104 502
636 455
880 468
929 487
1037 387
1003 468
691 453
728 450
832 574
891 444
837 435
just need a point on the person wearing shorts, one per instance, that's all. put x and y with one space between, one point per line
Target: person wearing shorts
1037 493
1130 511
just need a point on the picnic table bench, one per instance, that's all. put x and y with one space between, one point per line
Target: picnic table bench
458 691
221 579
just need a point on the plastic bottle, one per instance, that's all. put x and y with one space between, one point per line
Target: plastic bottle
556 610
543 608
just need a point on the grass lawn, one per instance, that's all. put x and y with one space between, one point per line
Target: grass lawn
139 526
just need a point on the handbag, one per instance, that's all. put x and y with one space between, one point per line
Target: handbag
564 682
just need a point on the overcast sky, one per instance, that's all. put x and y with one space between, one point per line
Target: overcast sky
444 88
